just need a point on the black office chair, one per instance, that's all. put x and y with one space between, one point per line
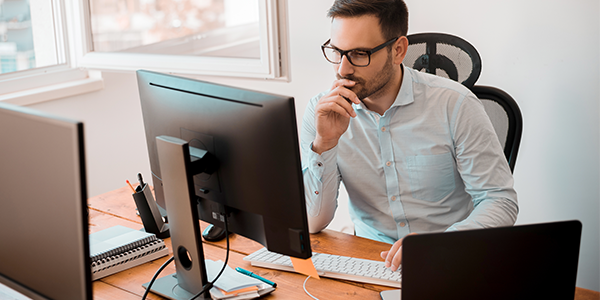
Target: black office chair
444 55
452 57
506 118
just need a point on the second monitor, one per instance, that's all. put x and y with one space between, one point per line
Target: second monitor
253 136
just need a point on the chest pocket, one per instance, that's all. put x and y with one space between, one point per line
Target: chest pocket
431 176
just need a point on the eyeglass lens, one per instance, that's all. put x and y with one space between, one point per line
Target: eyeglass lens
356 57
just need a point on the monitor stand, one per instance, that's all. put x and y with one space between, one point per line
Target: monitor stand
177 168
169 288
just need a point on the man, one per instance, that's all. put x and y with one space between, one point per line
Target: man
417 153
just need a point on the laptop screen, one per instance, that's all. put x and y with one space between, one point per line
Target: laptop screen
536 261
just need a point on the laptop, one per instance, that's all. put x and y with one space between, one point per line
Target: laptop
537 261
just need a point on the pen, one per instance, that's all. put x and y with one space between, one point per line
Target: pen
131 186
140 179
245 272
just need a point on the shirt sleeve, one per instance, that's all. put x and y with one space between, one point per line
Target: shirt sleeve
483 167
320 174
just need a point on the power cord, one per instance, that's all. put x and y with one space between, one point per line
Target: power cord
156 275
306 291
209 285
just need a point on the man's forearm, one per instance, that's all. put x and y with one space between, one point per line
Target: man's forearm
321 182
489 213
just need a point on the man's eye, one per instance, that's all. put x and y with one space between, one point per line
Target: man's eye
359 54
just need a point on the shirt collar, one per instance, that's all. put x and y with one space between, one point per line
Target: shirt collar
405 95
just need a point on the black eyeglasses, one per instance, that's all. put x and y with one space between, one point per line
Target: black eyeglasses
358 58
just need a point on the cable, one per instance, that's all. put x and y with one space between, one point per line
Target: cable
304 286
156 275
209 285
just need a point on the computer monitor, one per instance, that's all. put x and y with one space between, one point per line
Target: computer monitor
253 136
44 246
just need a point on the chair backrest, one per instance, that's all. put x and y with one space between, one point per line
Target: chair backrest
506 118
444 55
452 57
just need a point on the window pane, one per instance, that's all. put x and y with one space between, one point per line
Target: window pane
223 28
27 37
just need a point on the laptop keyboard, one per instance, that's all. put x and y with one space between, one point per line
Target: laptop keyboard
333 266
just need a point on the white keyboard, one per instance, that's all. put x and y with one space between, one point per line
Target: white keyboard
333 266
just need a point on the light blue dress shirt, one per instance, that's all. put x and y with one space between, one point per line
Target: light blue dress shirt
431 163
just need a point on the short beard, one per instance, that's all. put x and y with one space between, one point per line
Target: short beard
378 82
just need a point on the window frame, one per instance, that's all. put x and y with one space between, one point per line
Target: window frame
270 65
60 80
80 72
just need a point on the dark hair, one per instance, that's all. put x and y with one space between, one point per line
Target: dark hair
392 14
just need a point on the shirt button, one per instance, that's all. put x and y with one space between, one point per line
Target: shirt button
320 164
389 163
393 198
316 192
383 129
402 224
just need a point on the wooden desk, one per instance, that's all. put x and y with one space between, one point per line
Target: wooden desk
118 208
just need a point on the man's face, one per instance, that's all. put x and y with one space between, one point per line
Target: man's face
362 33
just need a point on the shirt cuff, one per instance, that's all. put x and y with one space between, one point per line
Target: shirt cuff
322 164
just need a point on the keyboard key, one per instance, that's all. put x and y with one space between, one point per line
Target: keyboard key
333 266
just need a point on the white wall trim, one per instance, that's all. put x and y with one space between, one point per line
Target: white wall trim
93 82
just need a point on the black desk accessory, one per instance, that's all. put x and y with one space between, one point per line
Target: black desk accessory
213 233
149 211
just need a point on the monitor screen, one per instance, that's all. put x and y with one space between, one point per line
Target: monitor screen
44 248
254 137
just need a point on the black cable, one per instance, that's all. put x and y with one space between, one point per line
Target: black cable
209 285
156 275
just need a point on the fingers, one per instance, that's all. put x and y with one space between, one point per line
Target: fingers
341 107
332 115
337 101
384 254
340 87
393 257
396 260
342 82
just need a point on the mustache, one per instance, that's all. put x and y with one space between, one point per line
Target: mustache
351 78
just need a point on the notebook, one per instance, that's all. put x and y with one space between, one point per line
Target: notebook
537 261
231 285
119 248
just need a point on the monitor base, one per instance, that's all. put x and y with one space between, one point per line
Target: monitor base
169 288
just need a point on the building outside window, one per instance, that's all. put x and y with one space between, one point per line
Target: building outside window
17 37
46 43
217 28
239 38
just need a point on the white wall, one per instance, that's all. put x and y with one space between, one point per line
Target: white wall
545 53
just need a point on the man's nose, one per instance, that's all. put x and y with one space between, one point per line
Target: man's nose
345 67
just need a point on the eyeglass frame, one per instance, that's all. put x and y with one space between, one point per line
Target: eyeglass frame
345 52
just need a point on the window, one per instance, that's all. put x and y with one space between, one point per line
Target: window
35 62
211 37
49 47
27 40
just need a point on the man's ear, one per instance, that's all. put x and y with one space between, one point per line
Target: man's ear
401 46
